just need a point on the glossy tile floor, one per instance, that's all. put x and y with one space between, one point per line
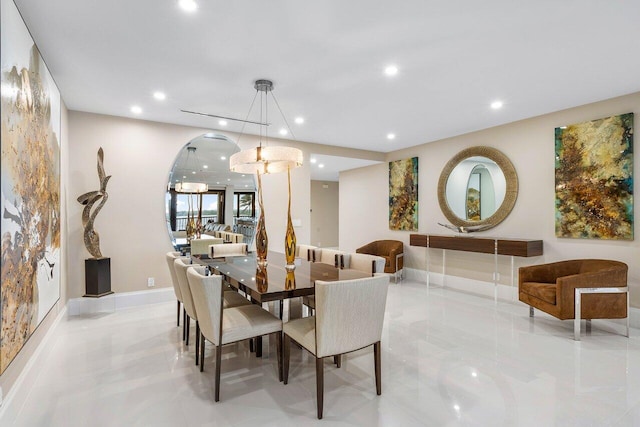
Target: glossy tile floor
449 359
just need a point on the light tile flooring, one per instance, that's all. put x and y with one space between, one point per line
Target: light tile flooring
449 359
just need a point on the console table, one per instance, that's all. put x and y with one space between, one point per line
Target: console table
486 245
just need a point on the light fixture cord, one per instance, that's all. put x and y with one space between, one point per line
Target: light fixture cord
283 116
247 117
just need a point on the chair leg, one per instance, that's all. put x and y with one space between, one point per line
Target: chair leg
178 317
188 323
530 311
201 352
279 353
285 362
184 323
337 359
218 362
197 341
319 385
376 361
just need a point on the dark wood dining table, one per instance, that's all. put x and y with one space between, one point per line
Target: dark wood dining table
275 283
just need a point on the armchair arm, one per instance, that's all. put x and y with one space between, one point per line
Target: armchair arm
567 285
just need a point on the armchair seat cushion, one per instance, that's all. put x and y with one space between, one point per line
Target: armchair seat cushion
543 291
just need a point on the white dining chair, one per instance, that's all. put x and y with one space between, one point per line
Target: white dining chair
230 325
306 252
364 262
349 316
329 256
228 249
171 257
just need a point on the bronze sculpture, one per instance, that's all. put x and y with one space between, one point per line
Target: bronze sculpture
91 237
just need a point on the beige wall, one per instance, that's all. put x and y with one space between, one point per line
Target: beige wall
324 213
132 227
530 146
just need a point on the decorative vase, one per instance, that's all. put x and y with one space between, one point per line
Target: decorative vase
262 279
262 241
290 236
290 281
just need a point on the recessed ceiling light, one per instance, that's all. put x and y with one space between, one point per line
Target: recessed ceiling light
283 131
299 120
245 186
222 122
193 172
313 160
136 109
391 70
160 96
228 179
496 105
243 175
205 166
188 5
320 165
391 136
223 158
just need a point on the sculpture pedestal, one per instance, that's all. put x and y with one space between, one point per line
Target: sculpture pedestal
97 277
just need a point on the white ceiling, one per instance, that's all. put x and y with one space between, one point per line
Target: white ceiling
327 58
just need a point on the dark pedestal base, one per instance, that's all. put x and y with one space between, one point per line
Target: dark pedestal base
97 277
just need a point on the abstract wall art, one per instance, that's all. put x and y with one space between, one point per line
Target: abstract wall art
403 194
594 179
30 117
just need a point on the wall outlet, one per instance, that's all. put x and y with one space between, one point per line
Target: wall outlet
151 282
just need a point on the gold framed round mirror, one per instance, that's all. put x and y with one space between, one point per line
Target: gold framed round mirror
477 188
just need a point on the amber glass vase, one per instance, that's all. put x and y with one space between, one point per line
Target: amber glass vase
290 236
262 241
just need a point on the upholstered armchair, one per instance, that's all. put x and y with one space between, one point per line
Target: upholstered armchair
577 289
349 316
391 250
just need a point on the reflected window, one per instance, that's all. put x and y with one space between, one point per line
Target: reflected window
244 205
180 204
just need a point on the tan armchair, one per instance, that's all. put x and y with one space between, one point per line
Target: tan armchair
391 250
576 289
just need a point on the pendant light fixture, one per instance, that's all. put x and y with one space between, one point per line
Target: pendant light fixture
186 186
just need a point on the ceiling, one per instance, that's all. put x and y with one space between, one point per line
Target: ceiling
327 61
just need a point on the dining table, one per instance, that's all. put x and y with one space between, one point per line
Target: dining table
275 282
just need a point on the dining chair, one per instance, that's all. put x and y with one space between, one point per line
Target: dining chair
349 316
364 262
171 257
306 252
231 299
230 325
329 256
228 249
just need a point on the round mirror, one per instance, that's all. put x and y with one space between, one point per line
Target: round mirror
204 196
477 188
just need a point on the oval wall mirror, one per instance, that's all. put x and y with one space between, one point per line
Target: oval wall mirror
477 188
201 187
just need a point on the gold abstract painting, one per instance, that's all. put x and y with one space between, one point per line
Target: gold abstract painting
30 117
594 179
403 194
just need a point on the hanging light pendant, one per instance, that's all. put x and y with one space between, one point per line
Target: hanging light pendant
188 186
266 159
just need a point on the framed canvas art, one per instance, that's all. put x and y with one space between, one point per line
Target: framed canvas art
594 179
30 116
403 194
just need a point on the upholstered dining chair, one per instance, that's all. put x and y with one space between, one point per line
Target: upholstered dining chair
577 289
306 252
349 316
228 249
171 257
364 262
230 325
201 246
231 299
329 256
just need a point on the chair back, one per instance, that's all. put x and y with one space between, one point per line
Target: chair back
181 266
171 257
306 252
349 314
201 246
207 297
330 256
228 249
364 262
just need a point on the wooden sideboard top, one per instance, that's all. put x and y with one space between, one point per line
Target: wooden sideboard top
513 247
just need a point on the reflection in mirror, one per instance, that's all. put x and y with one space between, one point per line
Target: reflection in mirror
228 204
477 188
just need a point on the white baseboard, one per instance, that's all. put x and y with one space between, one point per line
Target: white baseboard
505 293
119 301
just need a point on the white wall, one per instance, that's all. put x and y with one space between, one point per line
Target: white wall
529 144
139 154
324 213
